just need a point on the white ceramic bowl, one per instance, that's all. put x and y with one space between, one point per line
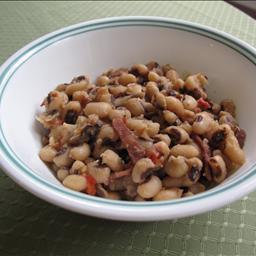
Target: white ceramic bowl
91 48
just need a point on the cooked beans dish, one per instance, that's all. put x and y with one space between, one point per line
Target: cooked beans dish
141 133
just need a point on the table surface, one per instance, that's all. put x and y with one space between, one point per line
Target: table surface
30 226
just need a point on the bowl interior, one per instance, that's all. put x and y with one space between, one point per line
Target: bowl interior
231 75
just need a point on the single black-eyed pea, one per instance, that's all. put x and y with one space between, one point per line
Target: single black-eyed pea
126 79
140 168
163 149
107 132
112 160
102 81
177 134
203 123
121 112
62 158
135 90
194 172
74 106
121 101
169 116
47 153
175 105
172 75
80 152
152 128
55 100
163 137
80 86
188 115
218 168
168 194
195 161
101 109
187 127
189 102
187 151
179 84
78 167
150 188
81 96
153 76
195 81
118 90
176 167
160 100
62 174
134 106
197 188
99 173
75 182
140 68
151 89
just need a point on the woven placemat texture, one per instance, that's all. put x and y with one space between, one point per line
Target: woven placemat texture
30 226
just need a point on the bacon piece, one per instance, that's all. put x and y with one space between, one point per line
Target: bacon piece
129 140
206 154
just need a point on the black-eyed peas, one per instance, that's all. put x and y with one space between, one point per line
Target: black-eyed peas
75 182
172 75
102 81
177 135
169 116
134 106
218 167
232 148
126 79
62 174
80 152
73 87
112 160
150 188
47 153
203 123
62 158
168 194
142 133
176 167
186 150
101 109
78 167
99 173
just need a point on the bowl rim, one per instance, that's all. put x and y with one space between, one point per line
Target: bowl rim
100 207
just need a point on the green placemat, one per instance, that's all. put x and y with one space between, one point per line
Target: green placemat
29 226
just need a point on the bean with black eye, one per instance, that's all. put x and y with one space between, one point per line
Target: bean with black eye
90 133
71 117
217 139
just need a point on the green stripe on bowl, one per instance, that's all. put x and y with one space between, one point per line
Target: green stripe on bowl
10 70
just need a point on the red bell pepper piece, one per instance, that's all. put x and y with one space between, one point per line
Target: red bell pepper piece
203 104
